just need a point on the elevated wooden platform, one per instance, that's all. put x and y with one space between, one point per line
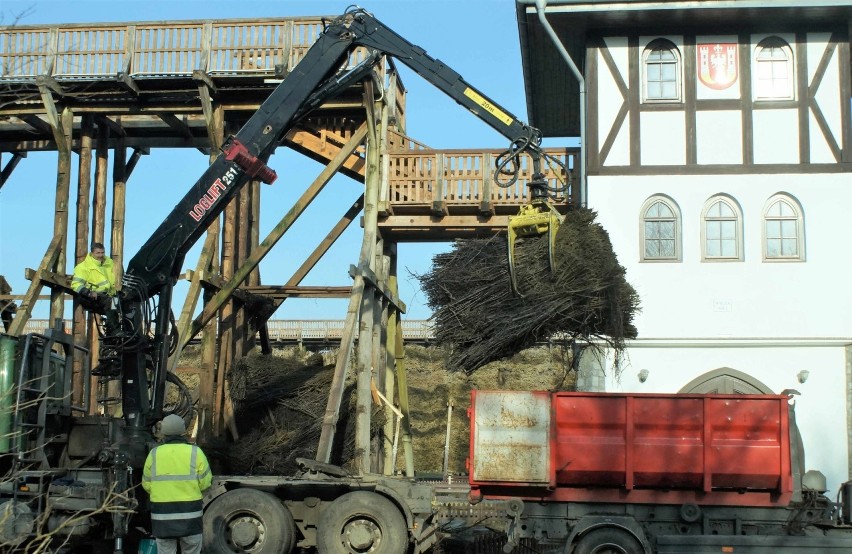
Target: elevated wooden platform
155 84
120 90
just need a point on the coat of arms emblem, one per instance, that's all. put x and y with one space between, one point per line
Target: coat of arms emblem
717 65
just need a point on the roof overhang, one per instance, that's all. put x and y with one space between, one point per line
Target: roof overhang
552 91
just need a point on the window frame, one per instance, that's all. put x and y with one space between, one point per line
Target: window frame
738 228
800 228
655 44
773 41
678 229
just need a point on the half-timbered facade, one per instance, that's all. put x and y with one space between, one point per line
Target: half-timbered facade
718 156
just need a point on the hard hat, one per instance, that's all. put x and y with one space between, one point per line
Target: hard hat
172 426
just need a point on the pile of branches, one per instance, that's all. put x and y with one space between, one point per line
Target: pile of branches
279 402
585 297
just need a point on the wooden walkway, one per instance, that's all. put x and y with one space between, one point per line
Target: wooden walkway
148 83
112 93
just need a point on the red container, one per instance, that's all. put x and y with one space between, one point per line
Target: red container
725 449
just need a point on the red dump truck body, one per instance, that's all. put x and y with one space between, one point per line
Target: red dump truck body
641 448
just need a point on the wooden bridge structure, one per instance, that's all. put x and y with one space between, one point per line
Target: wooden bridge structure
116 92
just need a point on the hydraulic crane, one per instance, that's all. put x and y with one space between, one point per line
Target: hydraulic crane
140 331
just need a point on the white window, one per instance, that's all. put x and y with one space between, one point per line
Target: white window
721 230
660 230
774 78
661 78
783 230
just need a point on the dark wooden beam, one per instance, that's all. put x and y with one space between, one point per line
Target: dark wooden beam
113 126
38 124
10 167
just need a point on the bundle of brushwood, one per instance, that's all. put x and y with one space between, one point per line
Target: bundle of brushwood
279 401
585 297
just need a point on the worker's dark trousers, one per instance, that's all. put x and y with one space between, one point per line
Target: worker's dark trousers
188 545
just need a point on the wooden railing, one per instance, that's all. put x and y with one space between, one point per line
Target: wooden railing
296 330
265 47
457 177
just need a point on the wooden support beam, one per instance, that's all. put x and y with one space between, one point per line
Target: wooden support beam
134 159
192 297
119 195
222 409
49 83
114 126
38 124
172 121
127 82
208 261
326 243
284 291
80 326
341 369
26 307
374 281
366 259
99 199
202 79
486 207
10 166
60 217
439 206
52 115
60 281
286 222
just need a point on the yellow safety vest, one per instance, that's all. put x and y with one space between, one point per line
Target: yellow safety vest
175 475
94 275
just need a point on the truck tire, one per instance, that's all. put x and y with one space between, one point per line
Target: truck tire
608 540
362 522
248 520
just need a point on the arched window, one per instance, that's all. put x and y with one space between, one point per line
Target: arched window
774 77
722 230
661 72
783 229
660 230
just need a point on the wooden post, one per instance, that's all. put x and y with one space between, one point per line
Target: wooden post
366 259
227 320
389 351
119 196
215 118
99 201
380 323
60 222
81 245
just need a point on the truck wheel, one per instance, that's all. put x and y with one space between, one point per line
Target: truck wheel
608 540
362 522
247 520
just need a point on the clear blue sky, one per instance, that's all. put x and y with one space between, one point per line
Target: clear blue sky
477 38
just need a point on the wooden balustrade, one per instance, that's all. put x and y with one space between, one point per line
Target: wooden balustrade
466 177
264 47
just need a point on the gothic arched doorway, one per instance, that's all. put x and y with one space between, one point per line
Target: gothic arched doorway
725 380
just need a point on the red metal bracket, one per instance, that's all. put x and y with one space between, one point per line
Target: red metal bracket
236 152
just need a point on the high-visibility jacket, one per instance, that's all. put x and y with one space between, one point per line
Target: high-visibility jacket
176 474
94 275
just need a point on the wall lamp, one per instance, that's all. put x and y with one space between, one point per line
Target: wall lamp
643 375
802 376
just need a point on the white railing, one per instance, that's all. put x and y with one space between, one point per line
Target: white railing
295 330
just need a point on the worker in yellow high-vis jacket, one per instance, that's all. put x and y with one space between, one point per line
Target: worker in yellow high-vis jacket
176 474
94 280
